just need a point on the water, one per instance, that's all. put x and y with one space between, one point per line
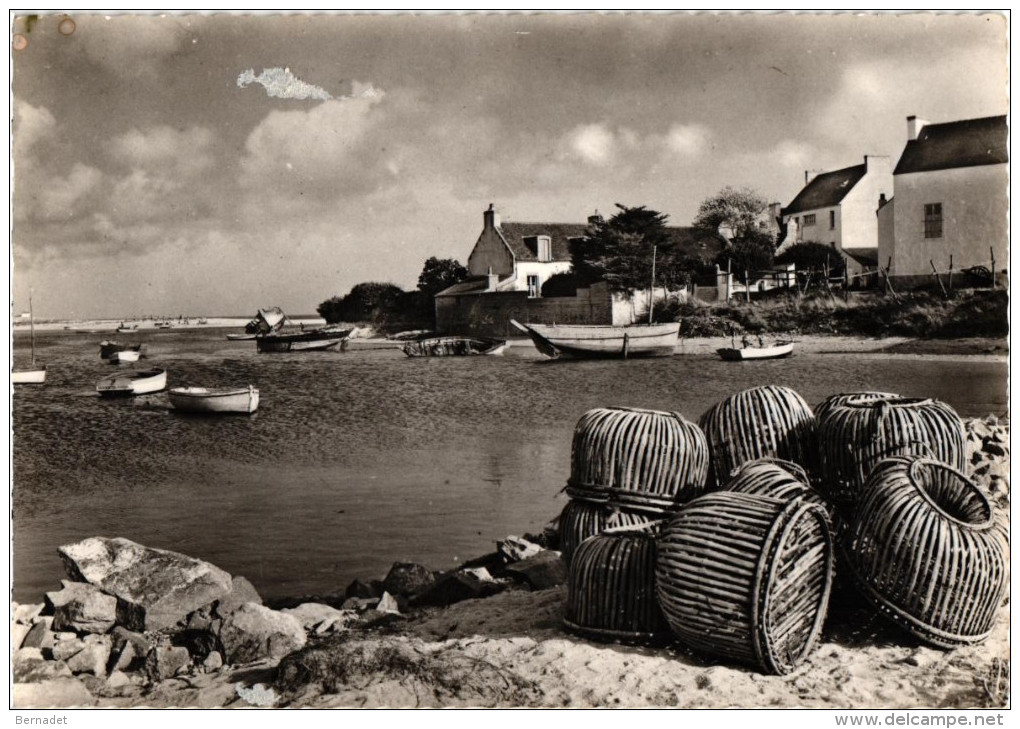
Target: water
357 459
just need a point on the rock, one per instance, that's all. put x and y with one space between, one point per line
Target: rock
26 614
544 570
129 650
19 631
40 635
254 631
65 635
58 693
93 657
201 619
199 643
164 662
155 588
479 573
310 614
213 661
358 588
82 608
241 591
64 649
387 604
406 578
451 588
515 549
360 604
341 622
994 450
118 679
29 666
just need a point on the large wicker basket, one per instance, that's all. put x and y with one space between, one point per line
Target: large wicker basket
638 458
928 550
858 433
747 578
822 409
783 480
761 422
611 588
582 519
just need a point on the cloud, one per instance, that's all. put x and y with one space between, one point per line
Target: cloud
31 125
131 46
592 143
280 83
164 149
62 195
688 140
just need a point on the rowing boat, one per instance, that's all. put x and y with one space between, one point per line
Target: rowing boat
453 346
577 341
315 339
215 399
137 382
775 351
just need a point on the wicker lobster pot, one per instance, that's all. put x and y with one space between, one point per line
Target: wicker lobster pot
761 422
783 480
858 433
929 552
822 409
611 588
642 459
747 577
582 519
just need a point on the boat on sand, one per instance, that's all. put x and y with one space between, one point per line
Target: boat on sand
215 399
125 355
777 350
136 382
33 374
453 346
583 341
304 341
108 348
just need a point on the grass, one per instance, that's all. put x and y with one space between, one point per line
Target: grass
976 313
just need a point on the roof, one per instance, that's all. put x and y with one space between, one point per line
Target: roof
467 286
966 143
826 190
517 235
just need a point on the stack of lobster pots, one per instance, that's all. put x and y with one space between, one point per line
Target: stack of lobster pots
630 469
744 571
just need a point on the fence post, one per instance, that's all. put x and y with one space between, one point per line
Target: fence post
950 271
747 287
846 282
992 251
938 278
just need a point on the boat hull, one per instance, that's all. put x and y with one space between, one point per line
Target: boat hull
454 347
129 384
303 342
594 341
751 353
240 337
108 349
127 355
243 400
29 377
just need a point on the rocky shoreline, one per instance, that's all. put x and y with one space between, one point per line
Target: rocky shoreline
135 626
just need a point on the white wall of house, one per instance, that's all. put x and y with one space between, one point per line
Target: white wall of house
974 208
544 271
820 231
886 217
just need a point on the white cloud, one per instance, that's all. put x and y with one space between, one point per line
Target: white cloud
132 46
31 124
592 143
280 83
688 140
60 196
165 150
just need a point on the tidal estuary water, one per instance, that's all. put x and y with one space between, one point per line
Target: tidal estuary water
362 458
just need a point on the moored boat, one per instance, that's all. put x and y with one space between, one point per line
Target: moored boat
578 341
774 351
125 355
108 348
305 341
453 346
138 382
234 337
215 399
31 375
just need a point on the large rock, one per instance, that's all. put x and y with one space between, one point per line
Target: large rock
358 588
253 632
405 578
454 587
515 549
57 693
241 591
82 608
29 666
166 661
19 631
64 649
41 634
542 571
93 657
155 588
26 614
313 614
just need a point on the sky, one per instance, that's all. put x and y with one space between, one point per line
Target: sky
214 164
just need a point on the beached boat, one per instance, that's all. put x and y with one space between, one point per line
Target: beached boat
240 337
33 374
125 329
773 351
108 348
602 340
138 382
215 399
411 335
453 346
305 341
124 355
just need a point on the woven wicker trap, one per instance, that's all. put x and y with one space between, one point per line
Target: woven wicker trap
783 480
927 548
582 519
747 578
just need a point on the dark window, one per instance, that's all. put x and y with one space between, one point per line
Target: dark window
832 219
933 220
809 220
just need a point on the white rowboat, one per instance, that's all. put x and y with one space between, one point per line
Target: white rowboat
215 399
602 340
32 375
138 382
125 355
776 351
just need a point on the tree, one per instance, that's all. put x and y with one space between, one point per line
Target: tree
439 274
733 213
751 252
619 250
809 256
560 284
332 309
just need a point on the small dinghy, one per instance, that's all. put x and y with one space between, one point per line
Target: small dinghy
138 382
215 399
125 355
778 350
33 374
109 348
454 346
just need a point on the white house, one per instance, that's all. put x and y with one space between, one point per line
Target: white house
950 186
838 209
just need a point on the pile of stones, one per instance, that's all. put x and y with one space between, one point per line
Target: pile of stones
988 456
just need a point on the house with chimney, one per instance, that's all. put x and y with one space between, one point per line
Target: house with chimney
950 201
837 209
510 263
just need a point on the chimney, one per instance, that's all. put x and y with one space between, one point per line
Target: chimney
914 126
491 217
881 200
810 175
